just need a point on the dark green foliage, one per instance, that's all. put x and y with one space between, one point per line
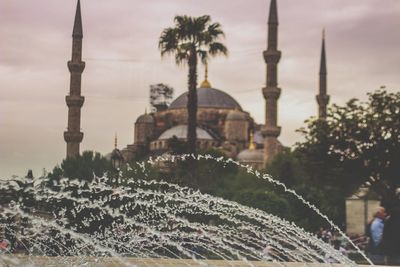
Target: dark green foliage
225 180
360 141
82 167
315 182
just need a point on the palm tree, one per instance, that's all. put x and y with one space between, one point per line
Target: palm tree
191 39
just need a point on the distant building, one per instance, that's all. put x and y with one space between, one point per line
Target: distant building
221 121
360 209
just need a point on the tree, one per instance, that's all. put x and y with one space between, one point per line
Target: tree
314 180
160 96
361 140
190 39
82 167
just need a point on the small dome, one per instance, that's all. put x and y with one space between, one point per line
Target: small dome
145 118
116 154
180 132
236 115
207 98
251 155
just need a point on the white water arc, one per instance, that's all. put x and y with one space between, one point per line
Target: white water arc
150 219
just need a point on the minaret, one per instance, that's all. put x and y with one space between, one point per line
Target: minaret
271 92
73 136
322 98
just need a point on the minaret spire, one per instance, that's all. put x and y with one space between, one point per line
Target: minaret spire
273 13
271 92
77 31
322 67
205 83
73 136
322 97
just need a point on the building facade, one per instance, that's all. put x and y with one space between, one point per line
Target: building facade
221 121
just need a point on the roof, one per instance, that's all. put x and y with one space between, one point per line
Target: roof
145 118
116 154
180 132
207 98
251 155
364 192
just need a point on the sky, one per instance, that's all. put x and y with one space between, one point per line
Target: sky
123 60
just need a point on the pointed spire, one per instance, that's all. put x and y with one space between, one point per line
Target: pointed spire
115 141
273 13
323 97
205 83
77 31
322 68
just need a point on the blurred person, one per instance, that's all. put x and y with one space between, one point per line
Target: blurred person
375 232
319 232
5 245
337 244
326 235
391 236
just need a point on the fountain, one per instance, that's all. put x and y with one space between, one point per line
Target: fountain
143 222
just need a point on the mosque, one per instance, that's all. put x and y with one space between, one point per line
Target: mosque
221 121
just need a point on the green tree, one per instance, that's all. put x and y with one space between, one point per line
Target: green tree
191 39
360 141
82 167
313 179
160 96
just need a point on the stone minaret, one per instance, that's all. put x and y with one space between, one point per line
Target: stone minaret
271 92
322 98
73 136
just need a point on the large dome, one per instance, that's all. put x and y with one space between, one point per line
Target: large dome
207 98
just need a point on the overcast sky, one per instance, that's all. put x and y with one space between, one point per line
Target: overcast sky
122 60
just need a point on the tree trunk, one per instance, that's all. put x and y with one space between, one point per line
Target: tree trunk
192 102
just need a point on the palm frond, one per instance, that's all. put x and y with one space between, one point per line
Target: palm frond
203 55
217 48
181 57
168 42
192 34
215 30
